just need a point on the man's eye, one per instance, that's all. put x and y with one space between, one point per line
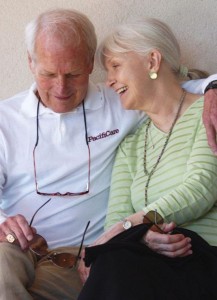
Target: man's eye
49 75
115 66
73 75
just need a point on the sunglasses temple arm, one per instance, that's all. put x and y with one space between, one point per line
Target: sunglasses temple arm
30 224
82 241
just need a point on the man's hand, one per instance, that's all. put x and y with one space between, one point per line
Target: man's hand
171 245
210 118
19 228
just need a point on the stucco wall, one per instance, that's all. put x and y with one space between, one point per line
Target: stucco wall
193 21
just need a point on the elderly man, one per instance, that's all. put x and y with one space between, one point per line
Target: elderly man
57 146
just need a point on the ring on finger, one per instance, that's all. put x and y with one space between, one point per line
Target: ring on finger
11 238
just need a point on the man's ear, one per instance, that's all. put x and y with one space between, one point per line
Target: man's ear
155 59
31 63
91 65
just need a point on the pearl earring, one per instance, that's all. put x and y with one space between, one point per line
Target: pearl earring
153 75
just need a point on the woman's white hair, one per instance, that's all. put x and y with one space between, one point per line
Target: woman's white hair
70 25
142 37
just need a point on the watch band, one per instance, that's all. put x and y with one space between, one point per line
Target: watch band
211 85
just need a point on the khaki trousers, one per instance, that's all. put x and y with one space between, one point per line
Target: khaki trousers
23 278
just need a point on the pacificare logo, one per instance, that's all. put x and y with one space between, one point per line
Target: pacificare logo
102 135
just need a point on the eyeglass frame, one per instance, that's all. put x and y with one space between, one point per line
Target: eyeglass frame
34 161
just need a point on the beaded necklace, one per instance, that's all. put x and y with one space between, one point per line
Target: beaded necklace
149 174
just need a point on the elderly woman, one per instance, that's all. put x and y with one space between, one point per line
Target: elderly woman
166 169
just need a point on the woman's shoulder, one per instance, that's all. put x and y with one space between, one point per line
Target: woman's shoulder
193 107
133 137
134 142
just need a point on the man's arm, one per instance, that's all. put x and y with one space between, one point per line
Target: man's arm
210 114
210 105
198 86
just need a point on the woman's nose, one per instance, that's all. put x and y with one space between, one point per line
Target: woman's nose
110 81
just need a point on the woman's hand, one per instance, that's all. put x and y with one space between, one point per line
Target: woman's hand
171 245
19 228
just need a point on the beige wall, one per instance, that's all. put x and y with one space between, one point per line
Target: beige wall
193 21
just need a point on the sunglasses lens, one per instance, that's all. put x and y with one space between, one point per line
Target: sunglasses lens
64 260
38 245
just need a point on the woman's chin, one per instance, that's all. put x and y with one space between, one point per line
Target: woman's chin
127 106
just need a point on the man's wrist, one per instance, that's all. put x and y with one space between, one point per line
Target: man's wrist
211 85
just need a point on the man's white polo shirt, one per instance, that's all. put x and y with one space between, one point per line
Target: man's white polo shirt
61 162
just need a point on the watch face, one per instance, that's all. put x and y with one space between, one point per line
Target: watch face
127 224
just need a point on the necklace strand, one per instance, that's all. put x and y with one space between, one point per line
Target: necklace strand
149 174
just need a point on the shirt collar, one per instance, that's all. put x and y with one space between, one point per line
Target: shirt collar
93 101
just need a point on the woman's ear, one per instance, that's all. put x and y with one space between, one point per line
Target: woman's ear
155 59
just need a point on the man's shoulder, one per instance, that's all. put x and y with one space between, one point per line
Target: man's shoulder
10 109
14 101
99 94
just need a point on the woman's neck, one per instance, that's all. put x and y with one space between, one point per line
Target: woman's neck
165 105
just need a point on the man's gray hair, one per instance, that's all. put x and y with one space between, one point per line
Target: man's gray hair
70 25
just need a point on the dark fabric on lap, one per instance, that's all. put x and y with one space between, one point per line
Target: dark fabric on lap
124 268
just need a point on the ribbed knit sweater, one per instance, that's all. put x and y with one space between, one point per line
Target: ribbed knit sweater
183 187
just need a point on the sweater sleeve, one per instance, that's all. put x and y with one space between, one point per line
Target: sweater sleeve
120 205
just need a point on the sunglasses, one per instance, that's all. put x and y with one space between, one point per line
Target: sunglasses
154 218
38 245
86 191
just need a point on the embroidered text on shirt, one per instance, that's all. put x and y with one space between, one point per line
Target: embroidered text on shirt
102 135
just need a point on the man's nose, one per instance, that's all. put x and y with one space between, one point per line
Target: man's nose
61 81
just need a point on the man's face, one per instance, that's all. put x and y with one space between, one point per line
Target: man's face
61 74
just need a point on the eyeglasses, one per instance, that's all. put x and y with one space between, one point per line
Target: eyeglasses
154 218
39 246
34 160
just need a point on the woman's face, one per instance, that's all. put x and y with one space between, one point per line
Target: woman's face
127 74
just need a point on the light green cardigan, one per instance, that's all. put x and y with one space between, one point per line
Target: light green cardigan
183 188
